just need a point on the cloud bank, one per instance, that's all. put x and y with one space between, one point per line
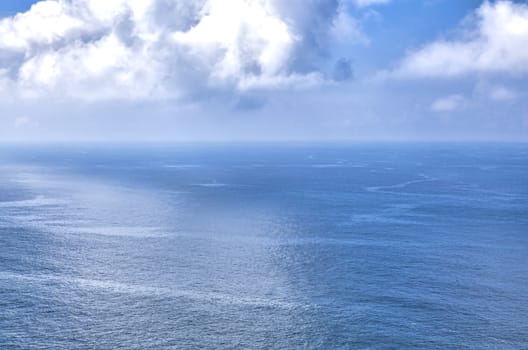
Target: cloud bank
142 49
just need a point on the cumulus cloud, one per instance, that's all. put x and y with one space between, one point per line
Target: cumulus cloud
496 41
101 49
448 103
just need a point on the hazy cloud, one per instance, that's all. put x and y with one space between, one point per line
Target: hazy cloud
448 103
346 29
496 92
24 122
343 70
365 3
502 93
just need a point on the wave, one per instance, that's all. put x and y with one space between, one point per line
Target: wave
212 184
120 231
380 219
425 178
333 165
181 166
38 201
155 291
458 186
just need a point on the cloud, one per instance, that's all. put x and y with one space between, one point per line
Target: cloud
448 103
495 41
496 92
23 122
346 29
144 49
365 3
502 93
343 70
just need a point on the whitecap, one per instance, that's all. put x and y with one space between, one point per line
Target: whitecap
212 184
336 165
387 188
120 231
181 166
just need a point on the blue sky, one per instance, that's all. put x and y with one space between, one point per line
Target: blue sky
152 70
11 7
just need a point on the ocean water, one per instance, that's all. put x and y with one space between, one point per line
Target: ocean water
279 246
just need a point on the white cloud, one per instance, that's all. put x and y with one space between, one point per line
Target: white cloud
345 28
106 49
239 38
45 24
496 42
448 103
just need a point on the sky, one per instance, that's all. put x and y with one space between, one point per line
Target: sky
263 70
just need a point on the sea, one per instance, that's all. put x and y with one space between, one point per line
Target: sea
264 246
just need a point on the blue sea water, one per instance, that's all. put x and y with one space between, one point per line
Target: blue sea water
279 246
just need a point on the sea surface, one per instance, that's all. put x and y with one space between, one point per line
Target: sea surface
264 246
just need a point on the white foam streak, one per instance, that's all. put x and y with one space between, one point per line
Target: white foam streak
153 291
38 201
